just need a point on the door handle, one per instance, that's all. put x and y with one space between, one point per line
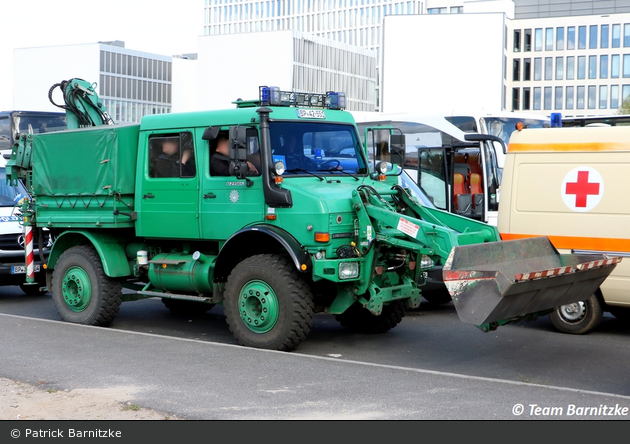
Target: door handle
209 196
148 196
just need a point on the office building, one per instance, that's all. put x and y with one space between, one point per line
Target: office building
130 83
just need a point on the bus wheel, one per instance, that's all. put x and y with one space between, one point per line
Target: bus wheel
578 318
267 303
81 290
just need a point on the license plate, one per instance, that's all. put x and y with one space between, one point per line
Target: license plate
21 269
311 113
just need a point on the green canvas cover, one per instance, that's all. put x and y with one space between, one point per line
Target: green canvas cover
93 161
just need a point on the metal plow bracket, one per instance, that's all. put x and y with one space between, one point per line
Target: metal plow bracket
501 282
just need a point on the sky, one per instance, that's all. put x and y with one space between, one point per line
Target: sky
164 27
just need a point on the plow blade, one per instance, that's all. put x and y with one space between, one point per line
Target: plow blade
496 283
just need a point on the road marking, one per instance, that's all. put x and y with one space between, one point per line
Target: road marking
335 360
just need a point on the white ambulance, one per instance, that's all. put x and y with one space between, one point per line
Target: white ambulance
572 185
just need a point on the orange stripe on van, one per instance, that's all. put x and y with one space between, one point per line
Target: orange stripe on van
579 243
563 147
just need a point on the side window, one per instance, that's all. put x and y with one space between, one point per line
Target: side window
172 155
5 133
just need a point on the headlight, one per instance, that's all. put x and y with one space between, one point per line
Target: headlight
348 270
381 167
426 262
279 168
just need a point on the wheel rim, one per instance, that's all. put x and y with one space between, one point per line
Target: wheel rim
76 289
258 306
573 313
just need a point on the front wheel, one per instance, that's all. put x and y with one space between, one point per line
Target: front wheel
82 292
578 318
267 303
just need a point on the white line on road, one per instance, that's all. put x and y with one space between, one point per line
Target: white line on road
325 358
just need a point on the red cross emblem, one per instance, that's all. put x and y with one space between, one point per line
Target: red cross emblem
582 189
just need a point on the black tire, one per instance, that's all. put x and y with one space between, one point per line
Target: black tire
291 292
180 306
437 297
579 318
105 293
361 320
621 313
33 290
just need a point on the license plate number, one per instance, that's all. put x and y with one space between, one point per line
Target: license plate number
21 269
311 113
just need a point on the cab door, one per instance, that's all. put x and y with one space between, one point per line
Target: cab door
227 203
167 203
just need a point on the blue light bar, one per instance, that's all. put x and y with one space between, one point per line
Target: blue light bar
556 120
272 96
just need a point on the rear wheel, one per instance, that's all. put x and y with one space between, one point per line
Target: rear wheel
180 306
82 292
267 303
361 320
578 318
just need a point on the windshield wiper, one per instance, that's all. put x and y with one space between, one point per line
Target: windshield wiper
343 172
302 170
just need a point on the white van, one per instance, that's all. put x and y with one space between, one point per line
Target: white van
12 259
570 184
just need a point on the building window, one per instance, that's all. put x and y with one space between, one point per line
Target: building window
517 40
614 66
569 97
580 98
433 10
616 36
536 98
614 96
626 35
538 39
603 97
592 67
626 65
559 39
558 97
548 68
625 93
454 9
570 68
592 37
603 67
581 71
559 68
527 43
547 97
592 96
571 37
537 68
603 43
526 99
515 99
527 69
516 70
549 39
582 37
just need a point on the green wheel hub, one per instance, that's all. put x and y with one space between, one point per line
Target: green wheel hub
258 306
76 289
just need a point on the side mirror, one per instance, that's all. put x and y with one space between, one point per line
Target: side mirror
211 133
238 143
239 169
397 148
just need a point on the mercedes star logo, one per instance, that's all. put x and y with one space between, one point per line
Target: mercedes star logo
21 241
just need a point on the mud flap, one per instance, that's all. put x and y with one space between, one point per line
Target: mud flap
496 283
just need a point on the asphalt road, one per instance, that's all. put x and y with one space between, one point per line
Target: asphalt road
431 366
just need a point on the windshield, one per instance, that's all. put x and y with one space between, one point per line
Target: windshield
503 127
34 123
10 195
317 147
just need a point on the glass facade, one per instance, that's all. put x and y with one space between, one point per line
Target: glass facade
134 84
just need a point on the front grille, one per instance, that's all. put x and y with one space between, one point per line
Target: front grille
9 242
